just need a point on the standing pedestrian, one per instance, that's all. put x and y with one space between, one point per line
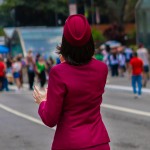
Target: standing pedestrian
136 67
2 72
128 54
41 69
105 53
49 64
16 68
143 54
98 54
114 63
3 78
75 92
30 63
22 62
122 61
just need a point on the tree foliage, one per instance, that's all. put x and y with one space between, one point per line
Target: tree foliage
31 8
119 11
44 5
1 32
129 14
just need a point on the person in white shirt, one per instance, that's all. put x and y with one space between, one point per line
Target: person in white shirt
114 64
122 61
16 67
144 55
128 54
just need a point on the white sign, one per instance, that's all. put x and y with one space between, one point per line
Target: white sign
2 40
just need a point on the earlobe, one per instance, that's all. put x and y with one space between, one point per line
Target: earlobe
61 58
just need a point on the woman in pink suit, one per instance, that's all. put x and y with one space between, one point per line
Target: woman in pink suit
75 92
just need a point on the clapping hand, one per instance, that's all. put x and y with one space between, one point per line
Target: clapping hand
38 95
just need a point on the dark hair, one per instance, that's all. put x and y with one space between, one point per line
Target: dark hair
115 56
107 48
141 45
76 55
18 59
135 54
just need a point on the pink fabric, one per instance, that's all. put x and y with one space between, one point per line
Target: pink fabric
98 147
73 104
77 30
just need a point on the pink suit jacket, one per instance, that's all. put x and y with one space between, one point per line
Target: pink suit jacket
73 104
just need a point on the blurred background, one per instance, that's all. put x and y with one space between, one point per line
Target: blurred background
30 31
28 25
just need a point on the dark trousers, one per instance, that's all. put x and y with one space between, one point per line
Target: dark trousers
3 84
114 70
31 76
42 77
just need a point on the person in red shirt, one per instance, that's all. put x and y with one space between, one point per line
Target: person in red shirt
136 65
2 72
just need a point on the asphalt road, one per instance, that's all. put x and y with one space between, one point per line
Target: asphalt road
127 121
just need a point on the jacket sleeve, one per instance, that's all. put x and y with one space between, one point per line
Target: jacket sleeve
50 110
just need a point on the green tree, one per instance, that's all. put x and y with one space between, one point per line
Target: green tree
118 10
1 32
129 14
45 6
58 7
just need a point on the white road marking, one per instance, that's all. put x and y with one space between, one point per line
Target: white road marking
37 121
22 115
125 88
17 113
127 110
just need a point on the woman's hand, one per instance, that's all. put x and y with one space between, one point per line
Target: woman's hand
39 96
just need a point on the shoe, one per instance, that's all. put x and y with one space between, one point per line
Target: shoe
135 96
139 96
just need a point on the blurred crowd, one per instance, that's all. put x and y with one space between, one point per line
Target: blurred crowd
118 59
12 70
37 68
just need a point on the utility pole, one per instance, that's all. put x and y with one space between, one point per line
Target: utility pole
72 7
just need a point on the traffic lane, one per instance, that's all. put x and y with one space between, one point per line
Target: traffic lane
126 99
115 122
24 101
17 133
127 131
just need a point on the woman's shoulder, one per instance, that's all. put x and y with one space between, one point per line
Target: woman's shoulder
99 63
58 67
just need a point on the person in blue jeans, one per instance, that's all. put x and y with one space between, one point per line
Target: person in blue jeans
137 79
136 66
5 84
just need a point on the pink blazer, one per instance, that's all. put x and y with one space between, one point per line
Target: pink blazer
73 104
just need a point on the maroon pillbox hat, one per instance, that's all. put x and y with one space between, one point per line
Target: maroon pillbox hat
77 30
